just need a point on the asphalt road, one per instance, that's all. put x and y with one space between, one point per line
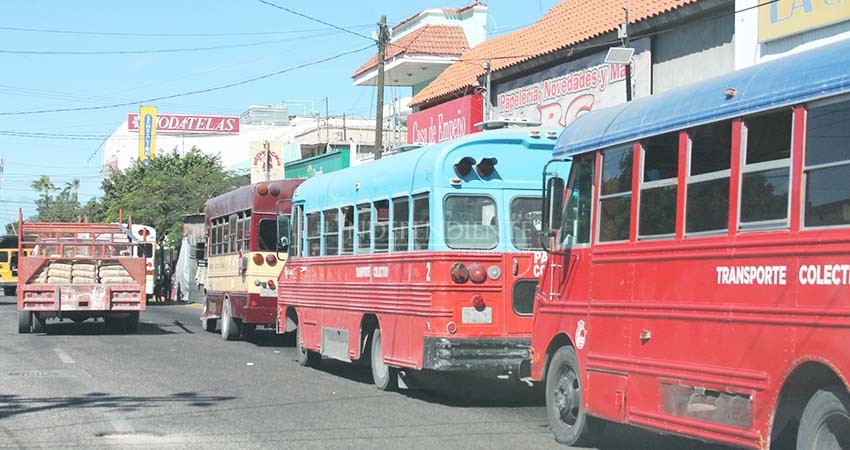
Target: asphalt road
175 386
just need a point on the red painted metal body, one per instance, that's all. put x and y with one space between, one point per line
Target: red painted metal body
226 281
417 305
69 244
657 322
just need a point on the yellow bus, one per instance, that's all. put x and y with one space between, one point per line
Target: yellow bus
9 264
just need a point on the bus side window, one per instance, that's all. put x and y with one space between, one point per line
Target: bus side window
347 230
331 232
401 217
247 235
615 199
657 216
707 200
421 222
364 228
766 172
827 165
382 226
314 236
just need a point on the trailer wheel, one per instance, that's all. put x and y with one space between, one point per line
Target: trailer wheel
307 358
246 329
825 423
386 377
564 406
131 323
38 325
24 322
209 324
229 328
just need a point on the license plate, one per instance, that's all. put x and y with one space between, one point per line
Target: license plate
265 292
472 315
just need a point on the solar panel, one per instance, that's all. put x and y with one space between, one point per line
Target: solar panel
619 55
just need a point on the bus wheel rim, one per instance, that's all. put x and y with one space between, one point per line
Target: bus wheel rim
380 367
568 397
833 432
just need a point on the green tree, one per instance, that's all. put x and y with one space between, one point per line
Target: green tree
159 192
44 186
64 207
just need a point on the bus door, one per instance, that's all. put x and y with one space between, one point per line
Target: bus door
524 260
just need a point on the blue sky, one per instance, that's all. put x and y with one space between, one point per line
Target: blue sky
29 82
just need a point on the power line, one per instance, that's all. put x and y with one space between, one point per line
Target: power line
139 52
283 8
184 94
106 33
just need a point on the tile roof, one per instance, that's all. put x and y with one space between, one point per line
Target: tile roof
568 23
439 40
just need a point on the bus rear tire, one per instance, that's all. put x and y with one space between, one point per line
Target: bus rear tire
386 377
306 358
564 406
24 322
229 328
209 324
825 422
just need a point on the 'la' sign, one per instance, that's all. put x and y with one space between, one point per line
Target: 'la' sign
786 17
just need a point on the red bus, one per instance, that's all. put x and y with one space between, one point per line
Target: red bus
244 256
427 259
698 276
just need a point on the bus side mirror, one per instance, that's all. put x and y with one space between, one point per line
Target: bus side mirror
282 233
553 204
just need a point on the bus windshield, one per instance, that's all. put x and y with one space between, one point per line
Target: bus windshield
575 228
526 219
267 235
145 250
471 222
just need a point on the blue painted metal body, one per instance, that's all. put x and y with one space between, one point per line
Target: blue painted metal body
520 156
793 79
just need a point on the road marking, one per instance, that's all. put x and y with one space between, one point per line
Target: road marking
63 356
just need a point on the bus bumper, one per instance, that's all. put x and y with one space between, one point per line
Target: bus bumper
487 354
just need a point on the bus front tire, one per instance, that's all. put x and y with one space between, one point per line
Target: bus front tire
306 358
386 377
229 328
564 406
825 422
24 322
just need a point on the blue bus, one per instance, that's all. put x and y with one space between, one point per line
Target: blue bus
426 259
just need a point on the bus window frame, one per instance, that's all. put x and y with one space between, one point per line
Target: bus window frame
308 238
706 177
510 211
785 163
326 234
295 231
405 224
562 246
387 223
446 222
655 184
806 168
600 197
344 230
414 242
358 212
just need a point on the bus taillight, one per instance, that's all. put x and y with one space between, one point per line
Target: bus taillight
459 273
271 284
274 189
271 260
478 302
258 259
262 189
477 273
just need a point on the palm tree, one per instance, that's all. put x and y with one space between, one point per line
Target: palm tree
45 186
71 188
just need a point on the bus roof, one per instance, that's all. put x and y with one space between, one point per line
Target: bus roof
427 168
785 81
249 198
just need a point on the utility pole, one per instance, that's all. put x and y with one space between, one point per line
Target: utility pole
383 38
629 63
327 124
487 69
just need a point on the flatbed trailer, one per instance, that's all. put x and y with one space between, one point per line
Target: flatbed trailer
79 271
